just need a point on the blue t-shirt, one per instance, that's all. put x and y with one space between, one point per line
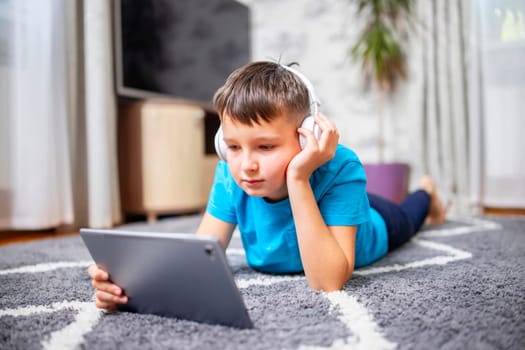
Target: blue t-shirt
268 230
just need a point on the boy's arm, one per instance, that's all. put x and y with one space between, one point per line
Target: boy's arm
327 252
211 226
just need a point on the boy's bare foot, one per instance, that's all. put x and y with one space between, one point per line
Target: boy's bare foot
437 212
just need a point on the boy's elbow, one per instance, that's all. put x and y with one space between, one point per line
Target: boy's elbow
330 286
327 287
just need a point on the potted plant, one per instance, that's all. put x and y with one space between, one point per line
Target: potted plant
379 48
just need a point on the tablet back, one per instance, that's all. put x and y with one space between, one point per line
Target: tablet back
170 274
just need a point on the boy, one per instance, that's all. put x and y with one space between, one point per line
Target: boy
298 209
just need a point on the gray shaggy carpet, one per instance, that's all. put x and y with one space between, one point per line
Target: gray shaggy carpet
457 286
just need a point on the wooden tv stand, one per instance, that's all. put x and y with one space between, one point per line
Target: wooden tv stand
163 167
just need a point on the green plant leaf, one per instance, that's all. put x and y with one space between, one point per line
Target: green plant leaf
378 47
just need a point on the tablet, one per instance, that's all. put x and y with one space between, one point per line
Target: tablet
178 275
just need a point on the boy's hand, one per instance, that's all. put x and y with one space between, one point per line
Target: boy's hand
107 294
316 152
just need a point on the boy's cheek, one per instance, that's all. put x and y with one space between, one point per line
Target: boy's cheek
234 170
232 166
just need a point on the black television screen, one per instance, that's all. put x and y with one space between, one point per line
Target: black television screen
182 49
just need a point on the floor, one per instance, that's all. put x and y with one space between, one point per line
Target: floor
8 237
504 211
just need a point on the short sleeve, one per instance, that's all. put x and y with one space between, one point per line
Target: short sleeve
344 201
220 202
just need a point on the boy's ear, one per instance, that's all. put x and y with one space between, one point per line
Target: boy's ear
309 124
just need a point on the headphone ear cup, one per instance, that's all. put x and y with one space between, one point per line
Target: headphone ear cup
220 145
309 124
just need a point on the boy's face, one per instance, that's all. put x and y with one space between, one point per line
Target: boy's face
258 155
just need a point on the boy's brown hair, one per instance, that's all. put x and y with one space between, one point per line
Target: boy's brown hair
261 91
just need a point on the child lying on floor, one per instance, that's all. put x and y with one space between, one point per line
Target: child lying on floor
297 196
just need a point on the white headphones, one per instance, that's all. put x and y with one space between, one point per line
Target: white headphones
308 122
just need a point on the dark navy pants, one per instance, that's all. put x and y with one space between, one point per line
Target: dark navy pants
402 221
